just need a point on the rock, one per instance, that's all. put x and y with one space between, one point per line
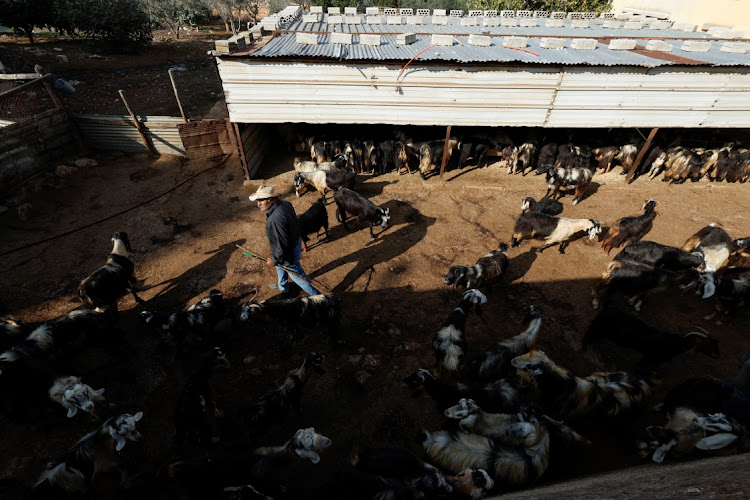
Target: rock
354 359
92 56
372 360
62 58
57 49
362 376
85 163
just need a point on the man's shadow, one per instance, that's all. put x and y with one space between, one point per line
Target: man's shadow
388 244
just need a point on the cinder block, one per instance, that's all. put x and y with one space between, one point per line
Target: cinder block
660 25
623 16
239 40
725 33
517 42
334 11
611 24
469 21
374 20
315 9
335 19
369 40
622 44
542 14
413 20
659 45
508 21
225 46
583 44
695 46
307 38
475 13
406 12
342 38
554 23
311 18
558 14
607 15
529 22
247 35
423 12
687 27
439 12
735 47
552 43
441 20
442 39
523 13
491 21
394 20
353 19
372 11
633 25
350 11
579 23
480 40
406 38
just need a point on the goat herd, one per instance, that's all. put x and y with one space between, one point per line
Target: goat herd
506 413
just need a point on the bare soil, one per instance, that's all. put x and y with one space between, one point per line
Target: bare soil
184 244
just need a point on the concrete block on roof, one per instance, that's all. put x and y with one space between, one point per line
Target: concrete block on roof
334 11
469 21
394 20
517 42
622 44
623 16
508 21
659 45
554 23
442 39
414 20
311 18
660 25
558 14
696 46
307 38
335 19
315 9
350 11
685 27
439 12
579 23
440 20
735 47
611 24
406 38
725 33
353 19
583 44
372 11
374 20
480 40
239 40
342 38
523 13
552 43
225 46
491 21
529 22
247 35
369 40
542 14
633 25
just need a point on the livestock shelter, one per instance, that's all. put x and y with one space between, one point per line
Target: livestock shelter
484 68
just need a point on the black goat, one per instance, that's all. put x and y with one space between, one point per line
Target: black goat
104 286
449 342
730 292
312 220
431 155
546 160
545 205
660 256
499 395
630 229
348 201
307 312
402 465
474 147
497 358
487 269
657 346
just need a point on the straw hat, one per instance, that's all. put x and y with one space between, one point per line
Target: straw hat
263 193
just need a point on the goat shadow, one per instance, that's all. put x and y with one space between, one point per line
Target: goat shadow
372 188
519 265
386 246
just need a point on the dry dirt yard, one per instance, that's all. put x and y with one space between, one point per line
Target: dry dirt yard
184 244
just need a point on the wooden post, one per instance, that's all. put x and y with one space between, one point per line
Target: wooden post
637 162
176 95
241 148
445 151
47 82
138 125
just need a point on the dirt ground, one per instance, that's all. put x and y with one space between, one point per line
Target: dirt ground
184 244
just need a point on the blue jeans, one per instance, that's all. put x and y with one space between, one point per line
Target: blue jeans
296 268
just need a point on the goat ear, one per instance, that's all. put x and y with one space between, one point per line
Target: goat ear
98 392
120 440
308 454
716 442
138 416
662 451
72 410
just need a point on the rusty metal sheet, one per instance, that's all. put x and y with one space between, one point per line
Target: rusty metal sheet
207 138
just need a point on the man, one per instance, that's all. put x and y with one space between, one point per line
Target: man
283 236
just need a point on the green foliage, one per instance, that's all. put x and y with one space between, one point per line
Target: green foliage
112 25
24 15
548 5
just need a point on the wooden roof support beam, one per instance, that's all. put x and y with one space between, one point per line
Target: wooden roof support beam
637 162
445 151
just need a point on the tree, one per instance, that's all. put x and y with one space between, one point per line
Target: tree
25 15
174 14
111 25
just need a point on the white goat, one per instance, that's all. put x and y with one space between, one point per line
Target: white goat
74 395
552 230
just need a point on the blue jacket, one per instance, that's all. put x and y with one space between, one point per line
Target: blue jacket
282 231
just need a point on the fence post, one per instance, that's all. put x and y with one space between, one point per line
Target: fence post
176 95
138 125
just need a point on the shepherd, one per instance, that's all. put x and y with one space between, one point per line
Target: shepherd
283 235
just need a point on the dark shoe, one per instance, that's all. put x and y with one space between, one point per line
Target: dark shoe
273 286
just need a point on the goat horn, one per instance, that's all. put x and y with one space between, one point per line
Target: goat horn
552 420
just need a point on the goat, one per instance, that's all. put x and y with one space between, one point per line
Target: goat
487 269
714 243
312 220
566 158
730 293
311 166
626 156
525 158
369 157
199 319
474 147
680 163
359 206
656 161
547 158
74 395
638 279
498 395
509 157
660 256
94 453
449 342
401 464
552 229
323 181
545 205
12 331
104 286
605 156
518 465
502 427
656 346
196 411
307 312
565 395
471 483
320 151
431 155
562 179
496 362
630 229
205 475
288 395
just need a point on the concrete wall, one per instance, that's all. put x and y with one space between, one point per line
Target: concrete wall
731 13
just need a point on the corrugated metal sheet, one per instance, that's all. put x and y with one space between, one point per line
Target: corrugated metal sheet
537 96
284 44
118 133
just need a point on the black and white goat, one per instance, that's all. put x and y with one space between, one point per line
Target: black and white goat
471 483
499 395
564 395
323 181
552 230
631 229
12 331
103 287
730 293
348 201
566 179
714 243
656 345
196 411
449 342
311 166
660 256
497 358
72 473
288 396
524 158
487 269
307 312
313 220
543 206
431 155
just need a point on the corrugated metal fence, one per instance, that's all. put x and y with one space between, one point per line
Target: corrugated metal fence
118 133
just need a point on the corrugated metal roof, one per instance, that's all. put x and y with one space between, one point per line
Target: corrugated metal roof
284 44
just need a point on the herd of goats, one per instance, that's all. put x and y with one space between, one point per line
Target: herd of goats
507 412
